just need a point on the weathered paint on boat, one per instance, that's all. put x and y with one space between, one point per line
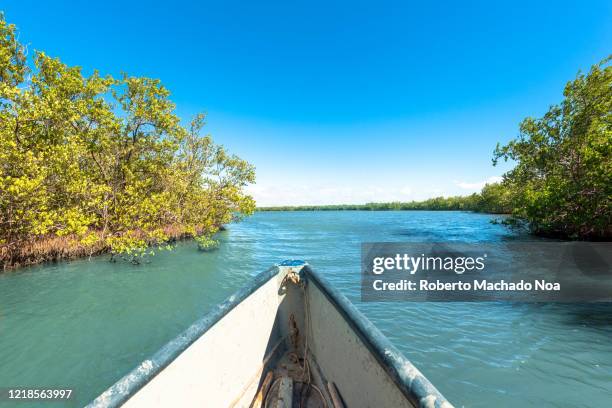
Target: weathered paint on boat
221 360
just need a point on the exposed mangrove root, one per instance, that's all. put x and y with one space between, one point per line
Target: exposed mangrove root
53 248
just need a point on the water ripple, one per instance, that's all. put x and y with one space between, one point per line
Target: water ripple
84 324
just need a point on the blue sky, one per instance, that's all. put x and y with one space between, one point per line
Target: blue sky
340 102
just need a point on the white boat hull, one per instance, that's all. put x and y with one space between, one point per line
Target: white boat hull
269 327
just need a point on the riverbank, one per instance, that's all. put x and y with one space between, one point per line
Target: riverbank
475 202
492 199
54 248
371 207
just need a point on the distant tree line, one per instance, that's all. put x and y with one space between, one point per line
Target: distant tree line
492 199
561 185
90 164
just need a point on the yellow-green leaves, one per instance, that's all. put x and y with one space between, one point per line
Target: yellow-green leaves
12 60
562 183
104 161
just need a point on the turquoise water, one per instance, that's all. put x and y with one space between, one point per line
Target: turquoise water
84 324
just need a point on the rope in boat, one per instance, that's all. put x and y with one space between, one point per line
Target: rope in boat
295 279
308 327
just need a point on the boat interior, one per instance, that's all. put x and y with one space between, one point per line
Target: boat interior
288 340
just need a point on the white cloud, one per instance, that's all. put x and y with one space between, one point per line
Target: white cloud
478 185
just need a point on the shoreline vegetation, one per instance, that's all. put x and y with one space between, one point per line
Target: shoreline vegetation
93 164
53 248
489 201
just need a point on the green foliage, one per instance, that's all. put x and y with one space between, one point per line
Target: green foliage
104 160
487 202
562 182
206 243
494 198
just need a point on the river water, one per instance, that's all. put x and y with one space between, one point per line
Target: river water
86 323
